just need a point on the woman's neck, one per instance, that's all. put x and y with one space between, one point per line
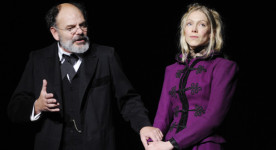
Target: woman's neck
197 52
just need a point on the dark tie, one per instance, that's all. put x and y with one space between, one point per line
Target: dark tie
67 66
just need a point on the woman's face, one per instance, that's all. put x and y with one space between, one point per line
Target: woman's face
197 29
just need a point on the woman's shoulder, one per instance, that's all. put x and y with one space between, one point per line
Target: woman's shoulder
221 64
174 66
221 61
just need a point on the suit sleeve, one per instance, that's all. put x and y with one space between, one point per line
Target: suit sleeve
164 112
222 90
129 101
21 103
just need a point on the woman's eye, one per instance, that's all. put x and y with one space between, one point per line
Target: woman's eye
189 24
203 25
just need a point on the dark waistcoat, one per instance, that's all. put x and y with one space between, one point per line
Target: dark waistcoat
72 132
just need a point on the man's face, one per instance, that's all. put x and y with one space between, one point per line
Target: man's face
71 29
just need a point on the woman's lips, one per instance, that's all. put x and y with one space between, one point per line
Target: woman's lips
193 37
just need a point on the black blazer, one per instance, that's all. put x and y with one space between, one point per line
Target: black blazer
103 85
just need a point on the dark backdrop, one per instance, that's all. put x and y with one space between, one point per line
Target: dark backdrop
145 35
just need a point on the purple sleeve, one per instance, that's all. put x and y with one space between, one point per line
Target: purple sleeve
164 113
223 87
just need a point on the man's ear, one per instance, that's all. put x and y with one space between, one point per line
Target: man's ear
54 33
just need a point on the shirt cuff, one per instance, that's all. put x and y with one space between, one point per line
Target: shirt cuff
34 117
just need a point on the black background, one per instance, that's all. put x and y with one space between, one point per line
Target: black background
145 35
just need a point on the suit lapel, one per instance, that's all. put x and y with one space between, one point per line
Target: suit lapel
88 68
57 83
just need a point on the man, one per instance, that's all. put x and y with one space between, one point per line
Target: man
69 88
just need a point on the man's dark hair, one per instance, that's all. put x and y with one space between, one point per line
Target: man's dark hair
53 12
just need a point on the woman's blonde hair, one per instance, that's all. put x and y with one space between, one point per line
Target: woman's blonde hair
216 39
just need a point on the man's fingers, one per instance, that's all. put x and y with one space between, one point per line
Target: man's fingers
144 141
154 138
54 109
160 134
51 101
44 86
49 95
50 105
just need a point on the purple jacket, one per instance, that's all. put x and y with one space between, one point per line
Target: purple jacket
195 99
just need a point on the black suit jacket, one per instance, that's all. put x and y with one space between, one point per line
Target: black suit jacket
103 85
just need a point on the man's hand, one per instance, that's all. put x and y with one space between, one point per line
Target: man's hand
153 133
46 101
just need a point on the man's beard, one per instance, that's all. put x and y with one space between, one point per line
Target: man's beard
69 45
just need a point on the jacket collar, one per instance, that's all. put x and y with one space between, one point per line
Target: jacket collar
179 55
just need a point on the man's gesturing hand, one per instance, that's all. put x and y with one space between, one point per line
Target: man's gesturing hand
46 101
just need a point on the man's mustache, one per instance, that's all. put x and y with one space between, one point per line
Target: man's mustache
78 38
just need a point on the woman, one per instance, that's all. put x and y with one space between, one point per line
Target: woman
198 88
